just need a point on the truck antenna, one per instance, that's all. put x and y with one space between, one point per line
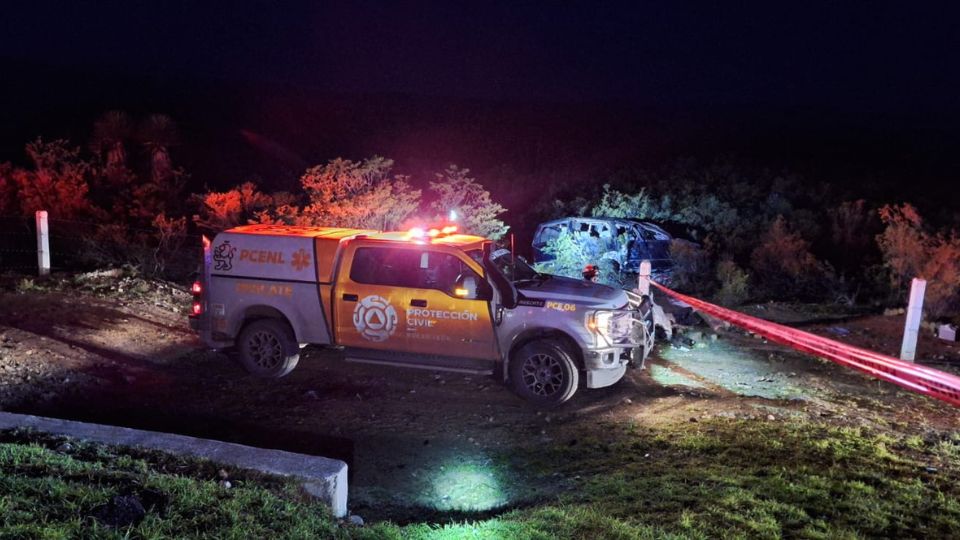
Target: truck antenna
513 260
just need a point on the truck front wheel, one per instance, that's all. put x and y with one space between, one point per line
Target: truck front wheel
544 373
268 348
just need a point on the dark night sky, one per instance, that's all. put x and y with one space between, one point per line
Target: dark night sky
872 76
861 55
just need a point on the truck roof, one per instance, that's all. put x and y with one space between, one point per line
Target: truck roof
462 241
333 233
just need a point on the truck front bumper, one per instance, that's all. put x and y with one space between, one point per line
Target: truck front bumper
601 378
604 367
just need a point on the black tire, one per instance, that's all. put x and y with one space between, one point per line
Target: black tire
544 373
268 348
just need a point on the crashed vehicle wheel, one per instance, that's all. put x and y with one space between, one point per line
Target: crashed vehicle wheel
543 372
267 348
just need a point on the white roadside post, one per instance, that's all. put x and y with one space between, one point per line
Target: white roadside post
43 244
911 329
643 280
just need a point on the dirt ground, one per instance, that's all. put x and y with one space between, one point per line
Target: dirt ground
119 351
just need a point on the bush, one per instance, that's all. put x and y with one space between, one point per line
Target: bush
902 243
909 251
941 269
691 267
614 203
733 284
784 265
243 204
58 181
476 211
569 256
363 194
850 225
134 177
168 240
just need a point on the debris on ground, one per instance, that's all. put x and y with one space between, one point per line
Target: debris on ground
947 332
120 511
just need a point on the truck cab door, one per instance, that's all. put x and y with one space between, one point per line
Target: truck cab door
449 313
366 305
407 299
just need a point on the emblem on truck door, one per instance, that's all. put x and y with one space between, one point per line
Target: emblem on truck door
223 256
375 318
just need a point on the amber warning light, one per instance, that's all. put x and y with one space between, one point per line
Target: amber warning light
419 233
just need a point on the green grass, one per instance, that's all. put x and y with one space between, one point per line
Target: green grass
740 479
716 479
49 493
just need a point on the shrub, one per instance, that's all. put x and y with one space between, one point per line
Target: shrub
849 223
569 256
909 251
783 263
902 243
346 193
941 269
691 267
238 206
58 181
135 186
477 212
168 239
284 209
733 284
614 203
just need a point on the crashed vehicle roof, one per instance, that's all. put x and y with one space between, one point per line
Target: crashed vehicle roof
632 221
670 229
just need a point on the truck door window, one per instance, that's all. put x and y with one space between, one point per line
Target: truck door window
408 268
443 271
384 266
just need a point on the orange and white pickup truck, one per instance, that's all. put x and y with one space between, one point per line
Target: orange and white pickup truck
431 299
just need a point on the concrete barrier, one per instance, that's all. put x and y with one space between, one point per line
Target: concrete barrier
323 478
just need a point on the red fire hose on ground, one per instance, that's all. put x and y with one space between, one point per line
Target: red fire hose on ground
923 380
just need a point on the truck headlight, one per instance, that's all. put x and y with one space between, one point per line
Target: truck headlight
612 327
599 323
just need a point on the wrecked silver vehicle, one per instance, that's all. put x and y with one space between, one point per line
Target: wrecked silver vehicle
623 241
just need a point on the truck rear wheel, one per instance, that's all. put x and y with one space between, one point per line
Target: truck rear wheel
543 372
268 348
